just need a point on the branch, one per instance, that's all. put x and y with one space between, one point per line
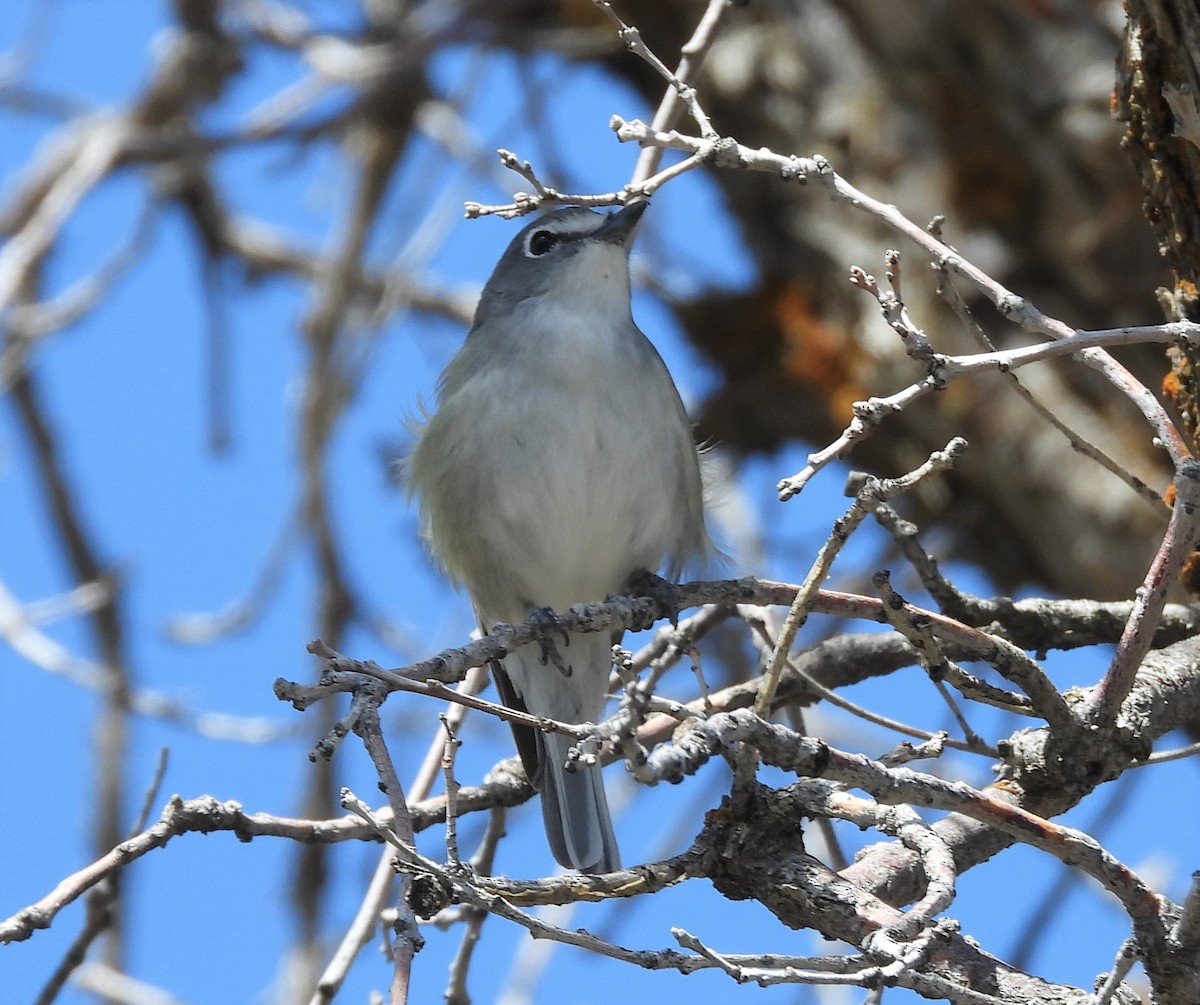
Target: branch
1176 548
726 152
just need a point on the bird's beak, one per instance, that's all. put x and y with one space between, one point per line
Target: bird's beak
618 227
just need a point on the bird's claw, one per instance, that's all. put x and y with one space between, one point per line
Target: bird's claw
662 591
547 624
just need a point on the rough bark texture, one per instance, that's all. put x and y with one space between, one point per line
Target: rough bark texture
1156 94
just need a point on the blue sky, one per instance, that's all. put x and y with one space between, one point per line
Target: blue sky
188 533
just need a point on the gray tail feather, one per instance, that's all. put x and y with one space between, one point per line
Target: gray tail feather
575 810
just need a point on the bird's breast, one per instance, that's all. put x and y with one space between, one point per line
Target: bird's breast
578 461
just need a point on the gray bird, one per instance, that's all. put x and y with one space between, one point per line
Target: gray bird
560 463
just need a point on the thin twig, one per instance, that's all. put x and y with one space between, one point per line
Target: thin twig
1127 956
843 527
366 918
860 712
1014 308
691 56
449 749
1177 545
1079 443
685 92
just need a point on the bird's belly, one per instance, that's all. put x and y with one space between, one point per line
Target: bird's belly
578 502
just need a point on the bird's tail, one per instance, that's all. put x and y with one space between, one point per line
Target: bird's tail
575 810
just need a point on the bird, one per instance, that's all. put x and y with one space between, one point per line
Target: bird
559 463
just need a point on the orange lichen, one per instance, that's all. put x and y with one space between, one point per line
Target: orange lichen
1189 575
816 354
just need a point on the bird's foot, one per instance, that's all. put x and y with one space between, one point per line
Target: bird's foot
547 624
662 591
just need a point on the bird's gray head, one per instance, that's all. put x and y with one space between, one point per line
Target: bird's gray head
571 259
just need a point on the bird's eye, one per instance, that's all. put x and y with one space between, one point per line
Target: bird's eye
540 242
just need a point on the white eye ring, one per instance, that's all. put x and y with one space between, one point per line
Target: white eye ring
540 242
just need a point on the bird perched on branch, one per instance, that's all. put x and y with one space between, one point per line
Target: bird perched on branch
559 464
